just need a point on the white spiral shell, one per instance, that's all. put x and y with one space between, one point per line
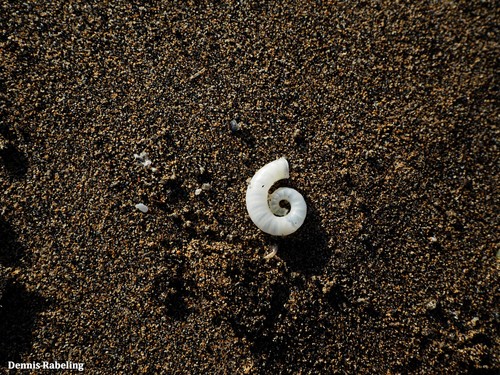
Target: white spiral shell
264 208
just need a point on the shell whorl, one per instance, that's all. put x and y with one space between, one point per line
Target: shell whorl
264 208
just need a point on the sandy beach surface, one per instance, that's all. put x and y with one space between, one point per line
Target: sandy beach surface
387 112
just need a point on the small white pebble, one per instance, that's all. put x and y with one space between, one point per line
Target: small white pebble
197 192
235 126
142 207
206 186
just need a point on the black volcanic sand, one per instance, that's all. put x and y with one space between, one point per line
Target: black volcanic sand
387 112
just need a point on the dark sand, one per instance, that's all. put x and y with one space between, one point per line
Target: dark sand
387 113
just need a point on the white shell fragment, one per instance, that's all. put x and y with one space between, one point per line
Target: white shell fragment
143 159
142 207
272 253
264 208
